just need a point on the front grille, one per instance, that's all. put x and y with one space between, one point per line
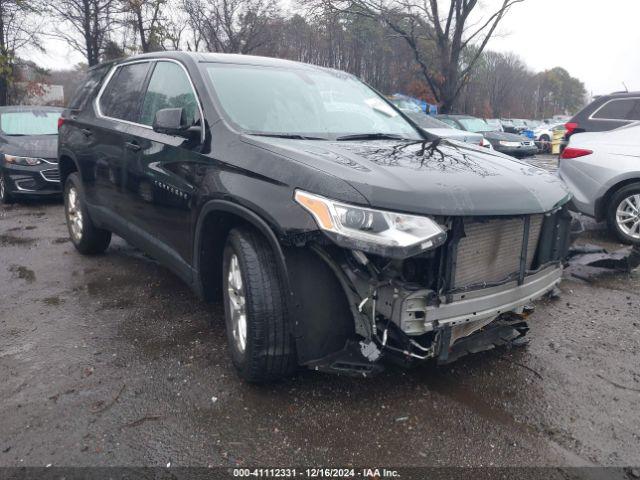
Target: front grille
529 144
490 251
52 175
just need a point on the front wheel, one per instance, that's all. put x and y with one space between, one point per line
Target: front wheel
5 196
623 215
257 322
86 237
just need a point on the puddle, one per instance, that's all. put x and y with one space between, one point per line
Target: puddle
8 240
23 273
52 301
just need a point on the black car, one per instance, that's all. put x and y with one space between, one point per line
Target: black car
336 232
512 126
607 112
508 143
28 152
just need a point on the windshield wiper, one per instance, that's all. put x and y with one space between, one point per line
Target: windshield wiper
293 136
372 136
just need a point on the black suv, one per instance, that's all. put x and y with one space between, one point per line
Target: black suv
335 230
607 112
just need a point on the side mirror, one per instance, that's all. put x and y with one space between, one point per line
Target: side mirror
171 121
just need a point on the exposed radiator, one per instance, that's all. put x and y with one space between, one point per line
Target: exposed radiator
490 251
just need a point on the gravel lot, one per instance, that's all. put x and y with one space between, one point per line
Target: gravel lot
110 361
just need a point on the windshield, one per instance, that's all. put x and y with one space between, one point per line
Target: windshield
35 122
425 121
309 103
475 125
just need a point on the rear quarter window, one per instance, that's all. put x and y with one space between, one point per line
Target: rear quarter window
619 109
92 80
121 97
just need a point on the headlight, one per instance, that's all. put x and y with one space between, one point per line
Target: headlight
486 143
24 161
509 144
390 234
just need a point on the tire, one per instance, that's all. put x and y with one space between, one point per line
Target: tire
265 350
546 146
5 196
625 205
86 237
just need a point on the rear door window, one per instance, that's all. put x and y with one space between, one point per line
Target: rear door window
169 87
121 97
619 109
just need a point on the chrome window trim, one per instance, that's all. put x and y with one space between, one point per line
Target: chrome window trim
96 103
620 120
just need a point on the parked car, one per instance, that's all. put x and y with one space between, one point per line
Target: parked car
495 123
406 105
607 112
513 125
335 231
435 127
507 143
602 170
543 135
28 152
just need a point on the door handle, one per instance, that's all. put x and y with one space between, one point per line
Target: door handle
86 132
133 146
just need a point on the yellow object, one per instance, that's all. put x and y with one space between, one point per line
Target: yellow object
558 137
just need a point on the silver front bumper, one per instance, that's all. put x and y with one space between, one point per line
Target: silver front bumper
475 306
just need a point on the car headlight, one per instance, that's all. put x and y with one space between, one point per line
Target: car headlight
486 143
395 235
509 144
24 161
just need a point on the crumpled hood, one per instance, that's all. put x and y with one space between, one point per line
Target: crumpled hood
440 178
38 146
504 136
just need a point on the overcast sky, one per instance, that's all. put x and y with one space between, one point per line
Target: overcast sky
597 41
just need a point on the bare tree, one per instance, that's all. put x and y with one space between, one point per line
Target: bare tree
438 33
19 28
85 25
146 18
232 26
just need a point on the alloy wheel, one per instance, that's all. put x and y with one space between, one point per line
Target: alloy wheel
628 216
237 303
74 214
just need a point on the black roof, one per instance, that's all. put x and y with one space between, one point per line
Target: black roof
622 94
231 58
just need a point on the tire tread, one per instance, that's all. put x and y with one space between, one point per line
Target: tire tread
270 352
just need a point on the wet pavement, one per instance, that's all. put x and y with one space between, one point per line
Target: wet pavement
111 360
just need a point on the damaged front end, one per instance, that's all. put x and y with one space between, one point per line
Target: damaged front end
466 292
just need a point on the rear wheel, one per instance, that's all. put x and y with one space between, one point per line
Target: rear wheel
86 237
5 196
257 323
623 215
